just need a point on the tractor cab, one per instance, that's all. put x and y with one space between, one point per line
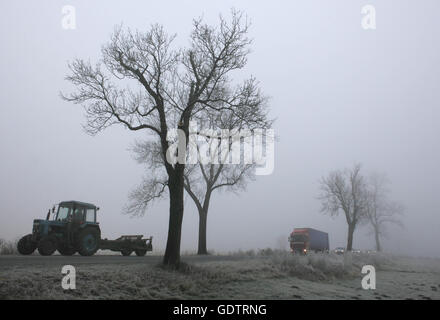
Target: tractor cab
67 214
81 212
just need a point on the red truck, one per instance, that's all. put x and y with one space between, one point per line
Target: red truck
303 240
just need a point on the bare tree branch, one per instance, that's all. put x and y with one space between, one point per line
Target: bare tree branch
145 194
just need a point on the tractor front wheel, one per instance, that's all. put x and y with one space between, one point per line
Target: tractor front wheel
26 246
88 242
140 253
47 246
65 250
126 253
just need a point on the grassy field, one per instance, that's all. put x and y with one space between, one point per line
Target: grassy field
267 274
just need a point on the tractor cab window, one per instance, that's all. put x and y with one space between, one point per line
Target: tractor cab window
78 214
90 216
63 213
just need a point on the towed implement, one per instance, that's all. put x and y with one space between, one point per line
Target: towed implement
127 244
74 228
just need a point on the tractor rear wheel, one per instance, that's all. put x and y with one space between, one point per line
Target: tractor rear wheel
66 251
26 246
88 242
126 253
140 253
47 246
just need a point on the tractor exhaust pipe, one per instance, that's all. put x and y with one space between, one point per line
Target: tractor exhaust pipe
48 213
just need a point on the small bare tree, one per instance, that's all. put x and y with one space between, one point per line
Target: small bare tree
163 88
345 191
201 180
380 210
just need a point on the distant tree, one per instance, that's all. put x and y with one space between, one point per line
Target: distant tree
8 247
171 86
380 210
345 191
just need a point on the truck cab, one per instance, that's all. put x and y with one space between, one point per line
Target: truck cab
305 240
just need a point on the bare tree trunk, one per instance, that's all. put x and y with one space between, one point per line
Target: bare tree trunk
203 217
351 228
376 235
172 251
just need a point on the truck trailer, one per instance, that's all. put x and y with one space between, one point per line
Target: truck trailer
304 240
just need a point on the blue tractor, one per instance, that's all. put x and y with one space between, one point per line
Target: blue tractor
73 228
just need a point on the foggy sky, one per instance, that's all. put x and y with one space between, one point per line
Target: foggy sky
340 95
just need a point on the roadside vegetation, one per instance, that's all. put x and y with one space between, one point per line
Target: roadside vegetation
8 247
265 274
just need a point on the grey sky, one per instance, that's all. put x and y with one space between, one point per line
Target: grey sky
340 94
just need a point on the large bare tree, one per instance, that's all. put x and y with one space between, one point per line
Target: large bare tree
161 87
381 211
345 191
